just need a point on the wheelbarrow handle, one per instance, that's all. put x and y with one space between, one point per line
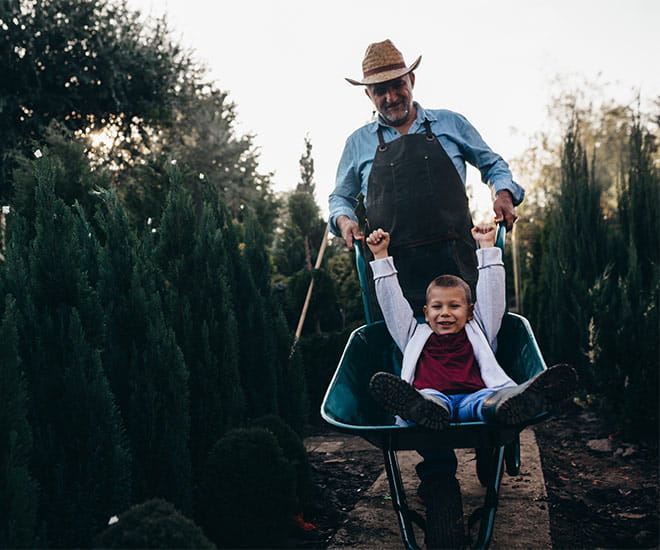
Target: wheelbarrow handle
361 264
501 236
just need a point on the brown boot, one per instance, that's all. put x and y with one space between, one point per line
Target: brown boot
400 398
519 404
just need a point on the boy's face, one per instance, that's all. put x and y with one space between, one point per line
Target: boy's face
447 310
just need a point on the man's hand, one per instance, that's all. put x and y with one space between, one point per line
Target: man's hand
504 209
349 230
378 242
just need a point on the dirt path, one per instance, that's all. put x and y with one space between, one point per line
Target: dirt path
521 521
602 492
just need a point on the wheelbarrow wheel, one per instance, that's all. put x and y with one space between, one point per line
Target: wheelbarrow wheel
512 457
486 464
444 513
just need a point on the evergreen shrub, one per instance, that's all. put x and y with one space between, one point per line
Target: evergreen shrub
153 524
80 456
295 452
18 489
248 493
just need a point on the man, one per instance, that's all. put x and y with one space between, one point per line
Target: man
410 167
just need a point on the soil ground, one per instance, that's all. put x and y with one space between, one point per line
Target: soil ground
602 491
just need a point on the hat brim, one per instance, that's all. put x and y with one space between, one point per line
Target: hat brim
385 75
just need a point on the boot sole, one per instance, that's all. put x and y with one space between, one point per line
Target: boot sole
400 398
543 392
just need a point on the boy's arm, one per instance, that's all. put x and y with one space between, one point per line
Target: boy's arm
490 303
398 314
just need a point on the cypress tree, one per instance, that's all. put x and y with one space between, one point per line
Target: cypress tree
18 489
574 257
258 357
291 394
293 398
303 226
624 330
144 364
191 251
80 458
639 199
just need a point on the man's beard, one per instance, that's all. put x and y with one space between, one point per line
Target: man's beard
399 119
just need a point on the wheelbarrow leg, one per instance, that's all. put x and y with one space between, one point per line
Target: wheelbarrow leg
399 499
486 513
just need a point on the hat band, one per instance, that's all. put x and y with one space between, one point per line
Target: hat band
384 69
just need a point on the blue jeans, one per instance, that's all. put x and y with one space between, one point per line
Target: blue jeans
463 407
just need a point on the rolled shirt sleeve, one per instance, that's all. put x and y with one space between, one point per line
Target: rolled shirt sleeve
494 169
343 199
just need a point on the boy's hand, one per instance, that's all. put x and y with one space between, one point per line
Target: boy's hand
378 242
484 234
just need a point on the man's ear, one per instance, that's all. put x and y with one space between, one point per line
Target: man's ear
412 79
366 91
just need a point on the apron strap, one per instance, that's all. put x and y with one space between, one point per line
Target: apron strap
382 145
430 136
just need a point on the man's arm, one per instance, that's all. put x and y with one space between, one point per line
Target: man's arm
343 199
494 171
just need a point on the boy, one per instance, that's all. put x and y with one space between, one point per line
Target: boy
449 371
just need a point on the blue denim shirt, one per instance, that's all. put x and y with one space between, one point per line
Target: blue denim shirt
457 136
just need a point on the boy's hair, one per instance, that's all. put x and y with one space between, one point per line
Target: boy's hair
450 281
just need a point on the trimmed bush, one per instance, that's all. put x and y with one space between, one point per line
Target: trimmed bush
294 451
248 495
153 524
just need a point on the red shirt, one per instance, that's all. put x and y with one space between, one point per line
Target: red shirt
447 364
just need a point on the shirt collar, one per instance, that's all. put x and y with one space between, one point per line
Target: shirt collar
419 120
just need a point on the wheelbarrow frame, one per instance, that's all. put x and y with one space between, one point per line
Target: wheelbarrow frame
349 407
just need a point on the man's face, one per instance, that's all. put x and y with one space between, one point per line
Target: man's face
393 99
447 310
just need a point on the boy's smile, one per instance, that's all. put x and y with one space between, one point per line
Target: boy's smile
447 310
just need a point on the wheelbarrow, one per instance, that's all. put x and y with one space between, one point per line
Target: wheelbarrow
349 407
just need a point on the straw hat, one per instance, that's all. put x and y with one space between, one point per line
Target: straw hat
383 62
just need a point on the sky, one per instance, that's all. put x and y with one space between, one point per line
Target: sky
283 63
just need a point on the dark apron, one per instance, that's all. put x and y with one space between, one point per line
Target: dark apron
415 193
